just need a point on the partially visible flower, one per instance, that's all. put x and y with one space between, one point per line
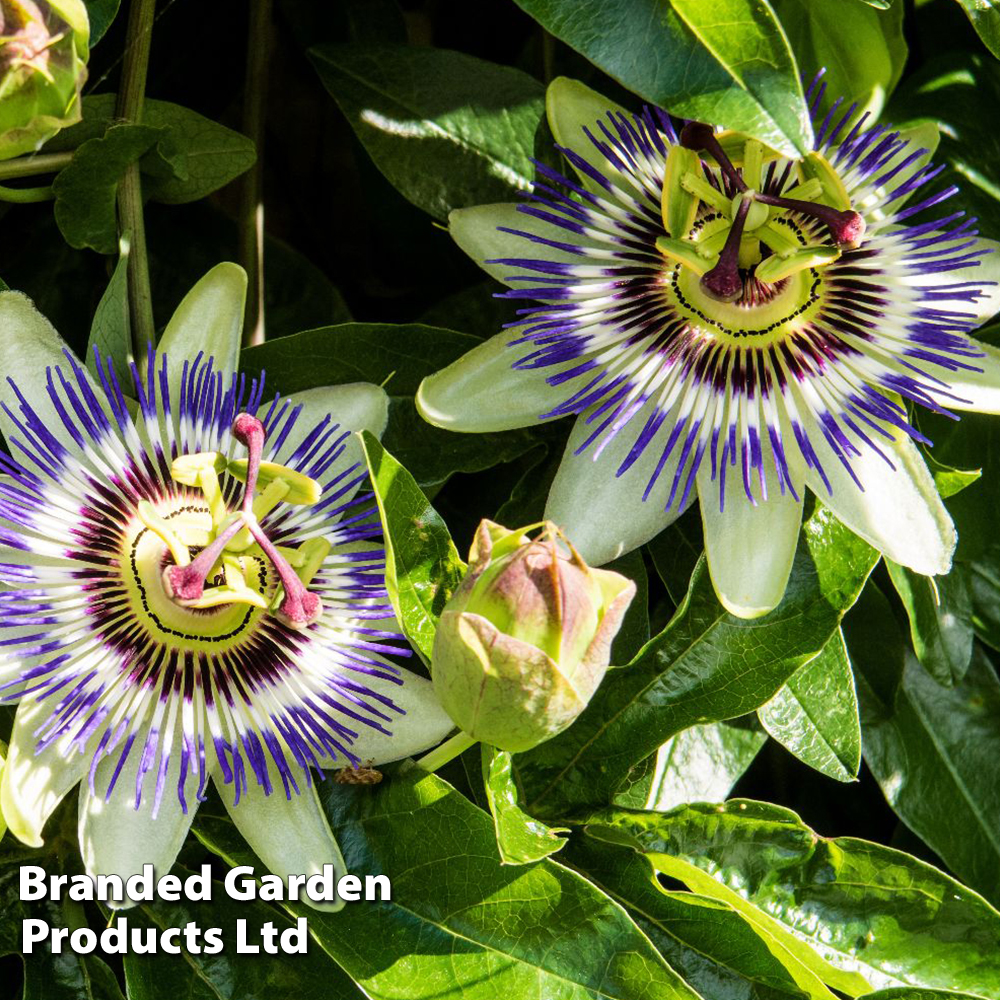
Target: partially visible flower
727 322
43 66
191 593
525 640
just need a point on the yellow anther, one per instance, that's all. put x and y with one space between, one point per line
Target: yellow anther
273 494
697 185
815 165
778 238
753 164
678 205
781 266
749 253
161 527
301 489
810 190
186 468
689 254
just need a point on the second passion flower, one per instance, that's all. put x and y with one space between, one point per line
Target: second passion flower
729 323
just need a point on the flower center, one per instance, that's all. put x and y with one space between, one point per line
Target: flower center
203 561
743 237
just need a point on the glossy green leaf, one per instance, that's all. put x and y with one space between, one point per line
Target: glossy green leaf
958 92
705 666
446 129
521 839
869 912
708 943
940 614
727 62
460 923
699 764
935 758
634 631
675 553
422 566
68 976
109 331
984 16
86 189
396 357
815 715
229 975
195 156
917 993
101 14
861 49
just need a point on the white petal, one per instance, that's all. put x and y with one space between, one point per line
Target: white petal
476 231
604 515
750 547
424 725
978 391
29 344
209 321
570 107
985 270
291 836
482 392
354 407
33 784
899 511
115 837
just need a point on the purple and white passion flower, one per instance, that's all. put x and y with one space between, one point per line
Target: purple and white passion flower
191 591
729 323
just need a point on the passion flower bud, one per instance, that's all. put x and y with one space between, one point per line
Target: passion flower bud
43 53
526 638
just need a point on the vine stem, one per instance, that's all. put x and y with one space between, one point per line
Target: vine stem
29 166
251 190
448 750
26 196
131 95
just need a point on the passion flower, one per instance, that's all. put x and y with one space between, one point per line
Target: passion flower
192 591
729 323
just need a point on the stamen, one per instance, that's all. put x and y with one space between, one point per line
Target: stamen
847 228
699 136
724 282
187 583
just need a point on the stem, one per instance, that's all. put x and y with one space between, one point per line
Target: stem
251 193
448 750
131 94
548 56
29 166
26 196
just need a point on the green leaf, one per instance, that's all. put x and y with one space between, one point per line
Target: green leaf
708 943
86 189
984 16
867 911
861 49
422 566
461 924
195 156
705 666
699 764
398 357
935 758
521 839
109 331
957 92
446 129
909 993
727 62
675 553
940 613
68 976
634 632
815 715
101 14
229 975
